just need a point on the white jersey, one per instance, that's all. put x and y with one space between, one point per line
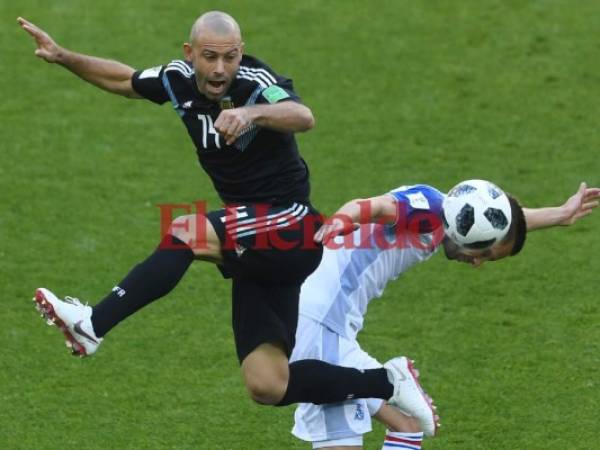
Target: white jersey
338 293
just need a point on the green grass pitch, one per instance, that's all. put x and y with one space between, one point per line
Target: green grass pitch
403 92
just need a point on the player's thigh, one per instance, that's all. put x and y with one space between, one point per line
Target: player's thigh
196 231
263 313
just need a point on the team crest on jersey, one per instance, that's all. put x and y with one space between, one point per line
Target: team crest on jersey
226 103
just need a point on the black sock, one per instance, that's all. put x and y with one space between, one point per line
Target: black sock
314 381
148 281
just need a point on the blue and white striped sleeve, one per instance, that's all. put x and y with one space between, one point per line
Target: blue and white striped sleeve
418 199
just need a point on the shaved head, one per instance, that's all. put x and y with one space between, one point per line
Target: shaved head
215 23
215 50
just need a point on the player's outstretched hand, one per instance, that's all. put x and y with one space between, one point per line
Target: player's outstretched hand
334 226
46 47
580 204
232 123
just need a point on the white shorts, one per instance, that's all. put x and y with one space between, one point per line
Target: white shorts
347 420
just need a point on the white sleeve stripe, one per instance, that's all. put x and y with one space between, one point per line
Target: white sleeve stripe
261 71
266 75
251 78
182 67
181 63
175 69
260 76
152 72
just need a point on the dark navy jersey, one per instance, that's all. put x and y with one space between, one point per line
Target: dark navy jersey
263 165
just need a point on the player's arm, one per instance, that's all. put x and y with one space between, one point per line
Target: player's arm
277 107
577 206
287 117
106 74
379 209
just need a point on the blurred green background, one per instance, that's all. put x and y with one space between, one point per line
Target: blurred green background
403 92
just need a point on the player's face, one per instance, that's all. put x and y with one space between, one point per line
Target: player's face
216 60
477 257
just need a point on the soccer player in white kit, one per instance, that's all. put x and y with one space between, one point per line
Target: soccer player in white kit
399 229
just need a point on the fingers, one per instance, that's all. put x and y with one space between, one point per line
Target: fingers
234 132
32 31
325 234
590 205
344 229
339 228
591 193
29 27
318 237
231 124
580 214
21 21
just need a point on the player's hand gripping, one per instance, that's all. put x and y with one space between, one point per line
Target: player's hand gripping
47 49
335 226
580 204
232 123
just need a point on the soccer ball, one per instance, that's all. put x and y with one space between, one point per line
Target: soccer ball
476 214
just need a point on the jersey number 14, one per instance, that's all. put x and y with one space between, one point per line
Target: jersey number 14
208 128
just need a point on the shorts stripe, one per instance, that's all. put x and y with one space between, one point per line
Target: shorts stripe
281 222
230 221
266 222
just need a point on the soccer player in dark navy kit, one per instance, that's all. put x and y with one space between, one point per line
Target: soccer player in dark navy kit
241 117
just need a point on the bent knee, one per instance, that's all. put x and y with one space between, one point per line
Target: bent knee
201 237
183 228
266 374
266 392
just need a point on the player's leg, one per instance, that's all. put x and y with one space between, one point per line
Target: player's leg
151 279
262 317
336 426
396 420
264 322
402 431
265 373
266 284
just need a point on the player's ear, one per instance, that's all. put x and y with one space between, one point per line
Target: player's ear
188 52
242 46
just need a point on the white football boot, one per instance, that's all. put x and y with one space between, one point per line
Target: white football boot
72 318
409 396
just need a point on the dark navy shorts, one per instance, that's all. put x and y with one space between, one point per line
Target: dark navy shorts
268 251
